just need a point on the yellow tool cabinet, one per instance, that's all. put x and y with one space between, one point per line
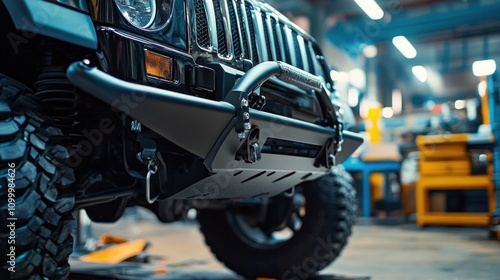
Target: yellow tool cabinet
445 164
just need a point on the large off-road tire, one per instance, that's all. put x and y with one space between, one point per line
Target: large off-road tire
32 162
326 225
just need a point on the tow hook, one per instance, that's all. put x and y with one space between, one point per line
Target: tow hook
148 156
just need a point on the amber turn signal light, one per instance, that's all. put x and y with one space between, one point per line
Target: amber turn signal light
158 65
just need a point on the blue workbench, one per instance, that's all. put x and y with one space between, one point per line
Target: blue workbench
355 164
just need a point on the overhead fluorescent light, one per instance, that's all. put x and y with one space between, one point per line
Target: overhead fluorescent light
404 46
484 67
371 8
420 72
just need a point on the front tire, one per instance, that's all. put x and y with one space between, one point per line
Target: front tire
325 227
32 168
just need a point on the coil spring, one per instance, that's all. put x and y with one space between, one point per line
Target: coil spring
59 96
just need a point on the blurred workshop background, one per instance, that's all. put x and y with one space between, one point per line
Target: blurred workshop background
421 79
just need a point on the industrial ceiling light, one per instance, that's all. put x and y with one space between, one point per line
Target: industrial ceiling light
371 8
484 67
420 72
404 46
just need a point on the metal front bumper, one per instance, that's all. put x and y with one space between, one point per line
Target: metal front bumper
206 129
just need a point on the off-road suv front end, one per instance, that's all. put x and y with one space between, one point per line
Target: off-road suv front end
221 105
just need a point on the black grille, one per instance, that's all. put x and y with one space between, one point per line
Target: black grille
221 33
201 25
243 35
298 54
234 29
251 27
276 39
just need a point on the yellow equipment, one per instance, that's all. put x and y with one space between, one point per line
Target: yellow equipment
445 164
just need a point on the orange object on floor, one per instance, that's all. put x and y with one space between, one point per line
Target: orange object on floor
116 253
106 238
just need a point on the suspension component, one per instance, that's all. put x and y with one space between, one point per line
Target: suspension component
57 93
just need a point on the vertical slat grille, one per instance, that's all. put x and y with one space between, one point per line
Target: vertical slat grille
251 27
221 33
202 36
281 42
267 39
296 47
243 31
234 29
277 46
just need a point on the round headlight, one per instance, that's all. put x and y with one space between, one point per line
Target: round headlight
140 13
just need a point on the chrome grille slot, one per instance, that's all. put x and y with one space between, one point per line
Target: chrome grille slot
234 29
267 38
221 32
251 28
310 58
296 47
202 36
303 52
286 43
243 29
277 45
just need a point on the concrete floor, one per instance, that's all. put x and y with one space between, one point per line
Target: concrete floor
380 252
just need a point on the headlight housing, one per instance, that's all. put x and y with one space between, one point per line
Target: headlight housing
139 13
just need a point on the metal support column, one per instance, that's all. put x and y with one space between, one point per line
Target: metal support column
494 104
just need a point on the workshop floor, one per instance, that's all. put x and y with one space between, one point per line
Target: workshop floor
380 252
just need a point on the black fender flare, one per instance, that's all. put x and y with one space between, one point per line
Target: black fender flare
52 20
